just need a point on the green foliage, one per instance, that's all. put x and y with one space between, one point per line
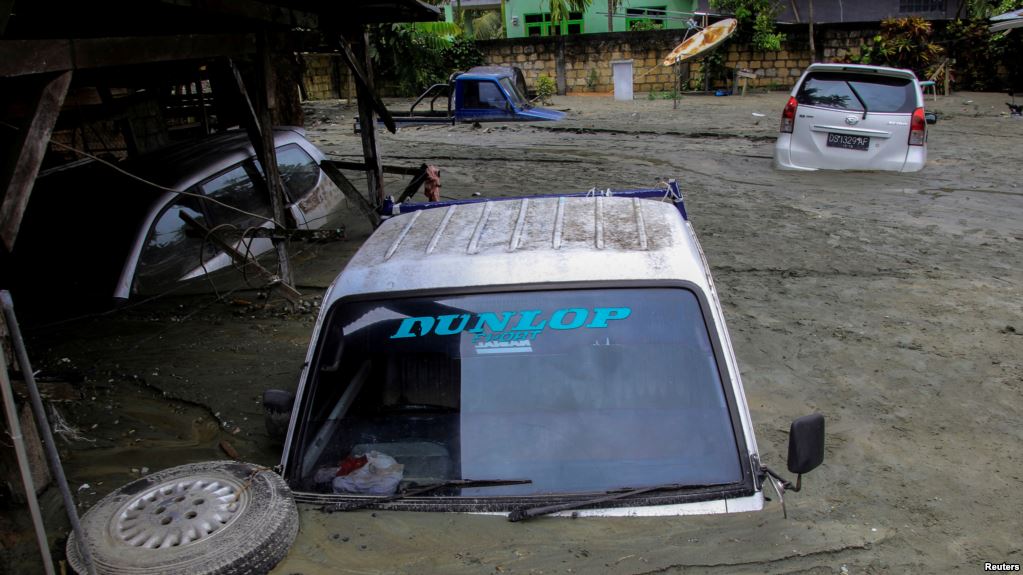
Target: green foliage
419 55
487 25
462 54
976 53
592 79
984 9
756 21
561 8
545 88
903 43
644 25
655 95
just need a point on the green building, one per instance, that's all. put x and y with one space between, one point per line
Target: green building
533 17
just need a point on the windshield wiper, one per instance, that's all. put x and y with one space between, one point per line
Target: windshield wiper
858 97
522 513
419 490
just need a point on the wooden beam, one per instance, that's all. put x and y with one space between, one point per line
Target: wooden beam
23 57
27 155
359 166
6 7
330 168
364 81
254 10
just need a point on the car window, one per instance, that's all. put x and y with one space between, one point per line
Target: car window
172 248
844 92
577 390
483 94
517 96
299 172
236 189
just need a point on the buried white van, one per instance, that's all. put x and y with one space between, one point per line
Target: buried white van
560 355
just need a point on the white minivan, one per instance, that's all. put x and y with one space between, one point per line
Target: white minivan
853 117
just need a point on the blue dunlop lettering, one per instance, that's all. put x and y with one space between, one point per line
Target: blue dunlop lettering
510 325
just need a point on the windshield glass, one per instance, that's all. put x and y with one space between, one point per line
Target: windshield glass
517 97
880 93
575 390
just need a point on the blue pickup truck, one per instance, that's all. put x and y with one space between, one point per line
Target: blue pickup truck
483 94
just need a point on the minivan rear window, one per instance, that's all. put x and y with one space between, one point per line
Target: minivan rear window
843 91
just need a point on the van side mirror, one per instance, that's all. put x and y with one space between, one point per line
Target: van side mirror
277 406
806 444
930 117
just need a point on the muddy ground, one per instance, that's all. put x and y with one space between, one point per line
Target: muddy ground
889 302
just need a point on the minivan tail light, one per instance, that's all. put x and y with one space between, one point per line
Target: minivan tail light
918 128
788 116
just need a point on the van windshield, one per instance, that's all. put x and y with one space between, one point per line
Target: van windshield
575 390
838 90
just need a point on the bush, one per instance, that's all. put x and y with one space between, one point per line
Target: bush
545 89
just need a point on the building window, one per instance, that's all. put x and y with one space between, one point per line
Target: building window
541 25
914 6
650 18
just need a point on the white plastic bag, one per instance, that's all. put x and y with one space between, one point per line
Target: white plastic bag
380 476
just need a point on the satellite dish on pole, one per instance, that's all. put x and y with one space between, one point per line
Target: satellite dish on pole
701 42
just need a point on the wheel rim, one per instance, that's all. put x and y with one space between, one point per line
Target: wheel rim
179 512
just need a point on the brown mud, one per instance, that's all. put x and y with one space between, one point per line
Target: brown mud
889 302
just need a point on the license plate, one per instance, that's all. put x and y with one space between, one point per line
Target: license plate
848 142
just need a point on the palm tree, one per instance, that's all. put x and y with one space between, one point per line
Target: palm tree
612 7
561 8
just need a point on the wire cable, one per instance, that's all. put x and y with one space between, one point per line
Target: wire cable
149 183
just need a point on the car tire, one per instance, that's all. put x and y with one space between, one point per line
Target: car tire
218 517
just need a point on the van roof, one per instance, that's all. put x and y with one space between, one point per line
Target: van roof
526 241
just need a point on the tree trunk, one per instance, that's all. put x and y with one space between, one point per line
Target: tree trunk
611 15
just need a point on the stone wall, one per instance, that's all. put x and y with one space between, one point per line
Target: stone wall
325 77
587 58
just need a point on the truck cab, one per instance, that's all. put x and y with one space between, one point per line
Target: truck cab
492 94
529 356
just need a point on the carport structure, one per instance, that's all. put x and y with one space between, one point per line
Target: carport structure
66 65
107 61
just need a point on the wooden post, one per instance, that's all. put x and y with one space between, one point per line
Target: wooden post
204 118
5 14
27 154
559 67
256 118
367 120
268 155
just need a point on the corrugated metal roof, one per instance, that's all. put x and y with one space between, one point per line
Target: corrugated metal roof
526 241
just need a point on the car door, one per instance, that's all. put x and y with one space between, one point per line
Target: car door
483 100
315 195
852 121
172 249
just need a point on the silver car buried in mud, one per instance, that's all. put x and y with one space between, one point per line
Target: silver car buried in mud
853 117
130 236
